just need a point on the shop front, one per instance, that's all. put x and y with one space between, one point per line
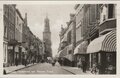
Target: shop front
17 55
80 53
61 56
102 52
70 56
23 55
11 52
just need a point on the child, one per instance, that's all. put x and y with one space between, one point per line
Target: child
94 69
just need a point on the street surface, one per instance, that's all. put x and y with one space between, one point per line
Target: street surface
42 68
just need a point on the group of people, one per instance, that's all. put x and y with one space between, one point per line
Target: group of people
96 67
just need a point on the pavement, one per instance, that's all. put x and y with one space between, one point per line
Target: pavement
11 69
75 70
45 68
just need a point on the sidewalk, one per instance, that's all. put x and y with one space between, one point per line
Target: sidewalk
16 68
75 70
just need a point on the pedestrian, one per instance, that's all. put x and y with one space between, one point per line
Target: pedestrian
79 64
94 69
4 72
16 62
84 66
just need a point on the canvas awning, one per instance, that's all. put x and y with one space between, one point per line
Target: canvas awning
70 47
64 39
81 48
63 52
69 57
106 43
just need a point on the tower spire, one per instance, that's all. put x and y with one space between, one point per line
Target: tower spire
46 27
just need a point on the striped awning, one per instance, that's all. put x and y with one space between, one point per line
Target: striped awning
106 43
63 52
81 48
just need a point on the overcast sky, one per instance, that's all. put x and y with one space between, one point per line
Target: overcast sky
58 14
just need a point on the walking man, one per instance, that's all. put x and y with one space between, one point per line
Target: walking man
84 66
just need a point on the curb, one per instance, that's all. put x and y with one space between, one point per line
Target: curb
68 70
20 69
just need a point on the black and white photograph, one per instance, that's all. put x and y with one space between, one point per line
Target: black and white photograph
59 39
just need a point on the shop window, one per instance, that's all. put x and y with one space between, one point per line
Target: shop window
5 31
111 58
94 58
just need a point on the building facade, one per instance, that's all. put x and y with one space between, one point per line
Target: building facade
105 55
19 44
18 36
95 37
67 43
9 34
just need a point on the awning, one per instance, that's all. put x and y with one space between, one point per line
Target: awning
69 57
70 47
81 48
13 42
64 39
63 52
106 43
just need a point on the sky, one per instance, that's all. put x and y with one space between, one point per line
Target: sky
58 15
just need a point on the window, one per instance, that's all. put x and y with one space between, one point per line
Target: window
110 11
103 13
5 31
17 20
69 37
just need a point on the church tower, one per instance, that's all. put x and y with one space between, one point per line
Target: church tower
47 38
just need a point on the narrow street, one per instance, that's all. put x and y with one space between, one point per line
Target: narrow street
42 68
81 37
